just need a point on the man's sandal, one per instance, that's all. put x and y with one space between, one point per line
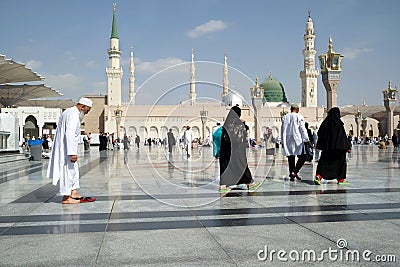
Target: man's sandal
85 199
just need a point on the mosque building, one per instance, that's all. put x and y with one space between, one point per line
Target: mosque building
268 103
153 121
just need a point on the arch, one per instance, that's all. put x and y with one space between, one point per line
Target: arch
196 132
371 131
132 131
153 132
163 132
143 132
30 127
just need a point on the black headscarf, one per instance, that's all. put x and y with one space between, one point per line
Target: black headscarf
235 130
331 134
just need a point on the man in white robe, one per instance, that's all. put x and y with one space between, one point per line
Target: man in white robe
188 139
63 165
294 135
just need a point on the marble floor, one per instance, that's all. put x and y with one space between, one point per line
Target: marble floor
155 209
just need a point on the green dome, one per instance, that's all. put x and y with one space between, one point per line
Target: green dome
273 90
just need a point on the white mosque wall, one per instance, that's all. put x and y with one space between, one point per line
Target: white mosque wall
41 114
8 132
154 121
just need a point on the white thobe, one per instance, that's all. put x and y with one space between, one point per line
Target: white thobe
65 144
188 141
294 134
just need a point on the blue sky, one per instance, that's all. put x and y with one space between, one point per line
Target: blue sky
66 42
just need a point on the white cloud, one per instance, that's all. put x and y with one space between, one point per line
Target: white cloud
99 85
91 64
70 56
208 27
67 84
33 64
352 53
158 65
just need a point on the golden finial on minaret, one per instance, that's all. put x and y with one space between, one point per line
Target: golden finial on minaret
309 13
257 81
330 44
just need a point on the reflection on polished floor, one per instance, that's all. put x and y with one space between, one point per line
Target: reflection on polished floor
158 209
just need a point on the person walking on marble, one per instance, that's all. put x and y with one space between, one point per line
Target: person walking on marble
334 144
234 169
294 137
170 140
216 139
188 139
63 164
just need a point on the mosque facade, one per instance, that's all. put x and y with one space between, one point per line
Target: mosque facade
268 105
153 121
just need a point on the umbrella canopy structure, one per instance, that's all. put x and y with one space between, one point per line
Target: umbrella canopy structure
16 94
13 95
13 72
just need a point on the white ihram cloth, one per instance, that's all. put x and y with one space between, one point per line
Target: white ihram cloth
65 144
188 138
294 134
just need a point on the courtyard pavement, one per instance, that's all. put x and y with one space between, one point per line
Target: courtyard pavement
155 209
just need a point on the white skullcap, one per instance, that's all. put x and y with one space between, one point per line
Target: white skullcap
85 101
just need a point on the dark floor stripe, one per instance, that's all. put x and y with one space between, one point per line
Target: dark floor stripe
187 224
189 213
238 193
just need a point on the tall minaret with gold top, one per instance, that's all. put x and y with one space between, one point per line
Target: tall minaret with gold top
114 71
192 94
309 74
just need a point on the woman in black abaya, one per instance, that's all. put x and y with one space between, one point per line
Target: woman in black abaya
233 160
334 144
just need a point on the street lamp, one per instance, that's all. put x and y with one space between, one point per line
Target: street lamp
331 69
118 116
389 101
203 117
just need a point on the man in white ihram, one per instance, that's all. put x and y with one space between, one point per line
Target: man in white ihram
188 139
63 165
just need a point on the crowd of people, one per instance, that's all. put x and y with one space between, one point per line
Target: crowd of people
230 142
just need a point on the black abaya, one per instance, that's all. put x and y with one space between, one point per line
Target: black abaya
334 144
233 158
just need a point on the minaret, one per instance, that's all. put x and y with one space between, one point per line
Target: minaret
132 81
192 95
309 74
225 81
114 71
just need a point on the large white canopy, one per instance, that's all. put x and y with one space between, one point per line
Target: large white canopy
13 72
12 95
18 94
